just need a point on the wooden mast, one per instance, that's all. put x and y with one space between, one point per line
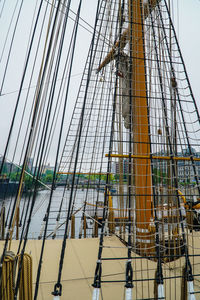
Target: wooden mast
143 177
138 12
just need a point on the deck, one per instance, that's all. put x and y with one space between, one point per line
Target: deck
79 266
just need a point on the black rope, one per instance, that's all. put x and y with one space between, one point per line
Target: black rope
20 89
41 144
9 136
106 41
105 209
176 89
48 139
97 276
80 127
4 1
58 286
93 97
7 34
71 159
159 273
26 101
188 264
24 142
106 106
171 152
129 270
59 141
10 49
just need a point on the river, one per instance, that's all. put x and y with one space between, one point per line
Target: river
40 207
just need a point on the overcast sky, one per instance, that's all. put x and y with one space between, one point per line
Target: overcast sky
187 22
189 38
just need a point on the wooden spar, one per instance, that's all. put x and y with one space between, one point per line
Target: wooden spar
121 43
151 3
85 226
125 37
73 227
176 158
81 173
143 177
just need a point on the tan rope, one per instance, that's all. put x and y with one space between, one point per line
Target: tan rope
8 277
25 288
2 223
7 284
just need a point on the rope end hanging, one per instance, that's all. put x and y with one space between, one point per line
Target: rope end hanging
129 275
129 280
97 281
57 291
190 281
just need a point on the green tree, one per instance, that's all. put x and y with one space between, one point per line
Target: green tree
49 178
159 176
15 176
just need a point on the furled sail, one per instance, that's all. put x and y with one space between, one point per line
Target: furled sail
123 71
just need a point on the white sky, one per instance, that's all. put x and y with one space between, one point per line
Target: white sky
189 39
187 22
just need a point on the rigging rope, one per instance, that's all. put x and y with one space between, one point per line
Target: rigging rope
159 273
7 34
20 90
9 270
98 270
10 49
4 1
188 267
58 287
84 21
78 161
54 176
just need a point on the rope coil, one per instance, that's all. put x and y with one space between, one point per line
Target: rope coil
7 283
9 269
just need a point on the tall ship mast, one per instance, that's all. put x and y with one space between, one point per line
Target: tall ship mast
122 203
